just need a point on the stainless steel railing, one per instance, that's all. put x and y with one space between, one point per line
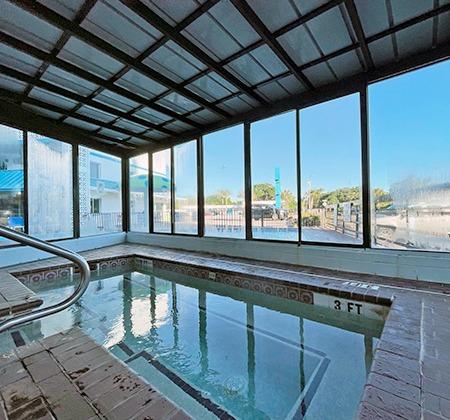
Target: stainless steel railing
85 273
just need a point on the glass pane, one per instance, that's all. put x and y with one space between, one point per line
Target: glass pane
274 178
100 192
139 193
50 193
11 180
410 149
330 153
185 183
162 173
223 154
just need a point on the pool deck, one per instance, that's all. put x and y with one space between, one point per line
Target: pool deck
410 374
15 296
69 376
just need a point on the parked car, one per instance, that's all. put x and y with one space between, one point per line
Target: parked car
268 212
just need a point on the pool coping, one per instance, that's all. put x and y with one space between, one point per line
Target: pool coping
15 297
410 373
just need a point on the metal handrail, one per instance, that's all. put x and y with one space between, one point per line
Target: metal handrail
85 273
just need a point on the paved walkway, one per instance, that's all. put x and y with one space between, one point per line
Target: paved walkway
69 376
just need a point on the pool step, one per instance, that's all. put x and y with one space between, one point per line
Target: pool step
15 296
69 376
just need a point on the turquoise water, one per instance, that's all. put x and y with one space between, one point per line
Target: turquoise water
255 356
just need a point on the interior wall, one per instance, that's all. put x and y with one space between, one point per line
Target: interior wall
427 266
24 254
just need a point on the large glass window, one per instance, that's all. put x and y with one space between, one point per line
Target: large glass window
162 197
274 178
11 180
223 155
50 188
330 156
138 183
410 159
185 184
100 177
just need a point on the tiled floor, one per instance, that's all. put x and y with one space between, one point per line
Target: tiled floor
410 375
69 376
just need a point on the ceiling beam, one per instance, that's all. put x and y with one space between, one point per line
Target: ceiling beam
14 115
267 36
80 16
55 19
152 48
175 35
15 74
358 29
21 99
321 94
91 77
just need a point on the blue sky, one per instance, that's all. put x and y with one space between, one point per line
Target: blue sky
409 135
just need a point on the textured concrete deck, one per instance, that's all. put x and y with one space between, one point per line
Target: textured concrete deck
410 374
15 296
69 376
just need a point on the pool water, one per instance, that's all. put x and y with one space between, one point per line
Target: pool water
212 347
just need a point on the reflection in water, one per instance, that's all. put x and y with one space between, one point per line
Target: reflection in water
256 356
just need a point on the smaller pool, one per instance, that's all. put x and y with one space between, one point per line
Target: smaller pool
218 350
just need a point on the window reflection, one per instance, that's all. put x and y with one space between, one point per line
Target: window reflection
11 180
274 178
100 185
223 153
410 149
162 173
138 183
185 184
50 197
330 155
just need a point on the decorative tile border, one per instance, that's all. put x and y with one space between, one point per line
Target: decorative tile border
63 271
374 307
259 284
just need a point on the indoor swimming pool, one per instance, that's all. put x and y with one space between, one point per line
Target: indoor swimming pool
215 349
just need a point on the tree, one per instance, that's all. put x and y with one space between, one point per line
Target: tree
264 192
289 200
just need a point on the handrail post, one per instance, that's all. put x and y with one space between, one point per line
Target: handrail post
85 275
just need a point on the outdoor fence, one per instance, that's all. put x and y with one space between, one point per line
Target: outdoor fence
100 222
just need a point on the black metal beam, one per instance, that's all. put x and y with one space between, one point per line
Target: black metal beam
200 189
103 83
15 116
125 168
26 219
298 173
175 35
76 191
259 26
152 48
64 38
21 98
331 91
150 193
15 74
247 182
358 29
408 23
298 22
64 24
365 166
172 191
